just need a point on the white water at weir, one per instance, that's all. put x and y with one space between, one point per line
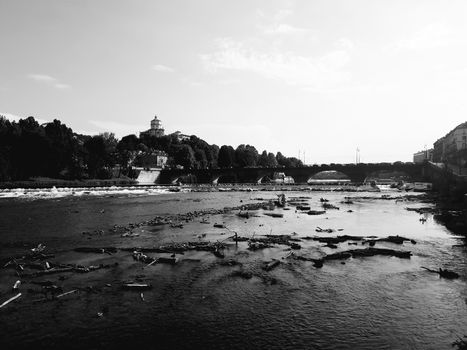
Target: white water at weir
148 177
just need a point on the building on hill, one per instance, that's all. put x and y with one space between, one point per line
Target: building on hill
450 144
154 159
422 156
180 136
156 129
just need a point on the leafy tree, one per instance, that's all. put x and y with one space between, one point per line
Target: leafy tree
272 161
184 156
226 157
201 160
246 155
267 160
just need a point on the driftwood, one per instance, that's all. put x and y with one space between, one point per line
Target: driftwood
316 262
107 250
316 212
268 266
328 230
303 207
70 292
368 252
443 273
392 239
150 261
274 215
10 300
137 286
336 240
329 206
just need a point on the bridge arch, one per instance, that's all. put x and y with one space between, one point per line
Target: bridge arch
184 179
388 176
224 178
328 176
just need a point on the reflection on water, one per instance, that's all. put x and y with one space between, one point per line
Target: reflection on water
368 303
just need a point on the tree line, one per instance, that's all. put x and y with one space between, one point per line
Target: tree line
29 149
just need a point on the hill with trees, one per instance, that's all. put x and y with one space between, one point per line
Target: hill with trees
29 149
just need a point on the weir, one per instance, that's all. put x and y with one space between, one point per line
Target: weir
148 177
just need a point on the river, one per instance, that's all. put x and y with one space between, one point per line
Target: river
377 302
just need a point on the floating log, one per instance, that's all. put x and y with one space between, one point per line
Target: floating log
316 262
258 245
368 252
392 239
137 286
268 266
107 250
70 292
244 214
316 212
329 206
10 300
274 215
443 273
295 246
303 207
16 285
336 240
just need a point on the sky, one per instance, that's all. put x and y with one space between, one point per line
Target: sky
312 78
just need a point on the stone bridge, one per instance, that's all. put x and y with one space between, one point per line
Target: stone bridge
356 173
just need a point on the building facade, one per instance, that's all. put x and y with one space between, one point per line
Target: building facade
154 159
156 129
422 156
180 136
449 145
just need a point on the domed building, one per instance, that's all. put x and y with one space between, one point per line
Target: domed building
156 128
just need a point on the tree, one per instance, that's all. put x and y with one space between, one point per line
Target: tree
128 143
291 162
281 160
99 155
246 156
263 159
201 160
184 156
226 157
272 161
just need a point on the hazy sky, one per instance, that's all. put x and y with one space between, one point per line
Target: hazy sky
324 77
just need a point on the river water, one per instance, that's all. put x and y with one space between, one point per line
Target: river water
375 302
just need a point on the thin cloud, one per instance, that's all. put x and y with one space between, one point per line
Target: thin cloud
42 78
320 72
120 129
162 68
431 36
283 29
49 80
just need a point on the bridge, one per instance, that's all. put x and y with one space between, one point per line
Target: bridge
356 173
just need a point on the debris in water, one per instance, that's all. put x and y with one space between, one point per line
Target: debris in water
274 215
16 285
10 300
268 266
443 273
137 286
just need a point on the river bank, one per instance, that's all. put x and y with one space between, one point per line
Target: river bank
42 183
205 300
